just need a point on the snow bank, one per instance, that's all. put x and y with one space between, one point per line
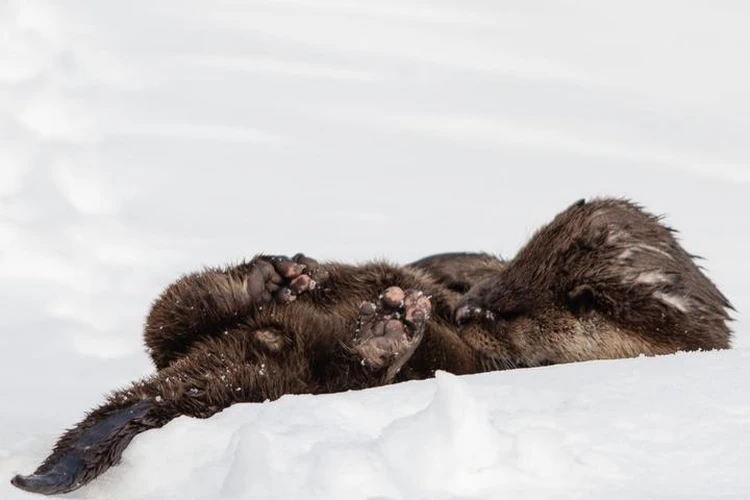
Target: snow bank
668 427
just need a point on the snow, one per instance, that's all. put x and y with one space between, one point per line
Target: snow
140 140
673 427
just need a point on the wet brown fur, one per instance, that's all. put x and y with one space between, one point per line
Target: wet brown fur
215 303
604 279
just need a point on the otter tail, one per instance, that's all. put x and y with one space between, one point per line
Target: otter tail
217 374
91 447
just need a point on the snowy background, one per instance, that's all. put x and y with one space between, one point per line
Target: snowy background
140 140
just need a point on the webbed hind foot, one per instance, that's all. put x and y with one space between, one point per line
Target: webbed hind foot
391 329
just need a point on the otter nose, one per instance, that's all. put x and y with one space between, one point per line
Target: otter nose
465 313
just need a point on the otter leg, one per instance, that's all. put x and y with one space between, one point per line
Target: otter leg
207 303
212 378
390 329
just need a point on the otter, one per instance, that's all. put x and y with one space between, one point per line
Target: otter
603 280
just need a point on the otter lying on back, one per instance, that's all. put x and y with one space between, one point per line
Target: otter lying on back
603 280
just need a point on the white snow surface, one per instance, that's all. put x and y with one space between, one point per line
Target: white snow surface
140 140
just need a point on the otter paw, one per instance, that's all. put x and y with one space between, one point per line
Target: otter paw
390 329
281 279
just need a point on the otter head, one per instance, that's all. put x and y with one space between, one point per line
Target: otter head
603 280
514 323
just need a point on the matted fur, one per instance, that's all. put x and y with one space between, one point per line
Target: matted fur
604 279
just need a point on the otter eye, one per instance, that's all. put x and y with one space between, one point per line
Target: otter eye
459 287
581 298
510 314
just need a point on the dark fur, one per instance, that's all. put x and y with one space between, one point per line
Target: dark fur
217 337
603 280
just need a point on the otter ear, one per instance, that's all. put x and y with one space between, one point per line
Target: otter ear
582 298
